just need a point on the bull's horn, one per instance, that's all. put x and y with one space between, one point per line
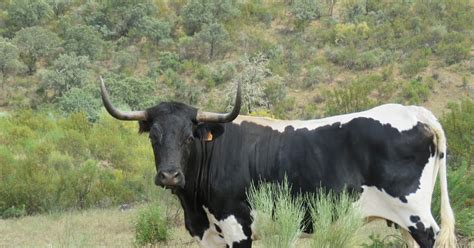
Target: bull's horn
121 115
221 118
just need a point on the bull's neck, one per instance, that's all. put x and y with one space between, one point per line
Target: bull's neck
197 173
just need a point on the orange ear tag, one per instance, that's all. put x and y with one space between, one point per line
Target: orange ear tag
209 137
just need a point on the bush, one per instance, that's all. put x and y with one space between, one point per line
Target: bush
80 100
337 221
151 225
215 39
351 98
414 65
316 75
49 163
67 72
458 124
390 241
14 212
277 215
461 192
197 13
416 91
35 43
27 13
305 11
84 41
169 60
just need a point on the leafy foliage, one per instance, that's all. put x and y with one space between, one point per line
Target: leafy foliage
49 163
67 72
305 11
27 13
197 13
458 124
83 41
35 43
151 225
9 60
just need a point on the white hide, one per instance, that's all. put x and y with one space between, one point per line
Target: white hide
377 203
398 116
232 231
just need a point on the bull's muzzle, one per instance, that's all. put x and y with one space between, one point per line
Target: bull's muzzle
170 178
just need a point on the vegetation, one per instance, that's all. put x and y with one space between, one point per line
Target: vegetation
52 163
151 225
337 221
276 214
295 59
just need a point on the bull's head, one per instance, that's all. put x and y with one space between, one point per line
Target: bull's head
173 128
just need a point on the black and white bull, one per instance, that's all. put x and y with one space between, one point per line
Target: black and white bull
391 154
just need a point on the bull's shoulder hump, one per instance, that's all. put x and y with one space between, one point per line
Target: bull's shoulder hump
398 116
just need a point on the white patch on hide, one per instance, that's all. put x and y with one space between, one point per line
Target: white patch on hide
378 203
398 116
232 231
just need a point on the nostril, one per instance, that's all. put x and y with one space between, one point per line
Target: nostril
162 175
176 174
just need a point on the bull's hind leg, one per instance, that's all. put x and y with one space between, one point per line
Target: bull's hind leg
423 231
411 243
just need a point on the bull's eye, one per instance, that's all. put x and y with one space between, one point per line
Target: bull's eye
189 140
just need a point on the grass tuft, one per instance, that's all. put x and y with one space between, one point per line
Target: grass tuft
276 214
337 220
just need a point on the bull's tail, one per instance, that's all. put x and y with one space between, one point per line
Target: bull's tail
446 237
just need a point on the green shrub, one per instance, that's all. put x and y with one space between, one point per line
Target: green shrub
83 40
461 193
416 91
50 163
151 225
316 75
458 124
337 221
414 65
14 212
77 100
390 241
277 215
27 13
169 60
66 72
305 11
351 98
454 53
35 43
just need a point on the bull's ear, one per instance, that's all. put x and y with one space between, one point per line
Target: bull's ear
208 131
144 126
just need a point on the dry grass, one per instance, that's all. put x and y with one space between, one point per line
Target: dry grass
99 228
110 228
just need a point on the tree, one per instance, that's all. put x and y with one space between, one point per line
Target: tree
67 72
83 40
134 92
305 11
115 19
151 28
215 37
35 43
9 60
27 13
76 100
252 79
197 13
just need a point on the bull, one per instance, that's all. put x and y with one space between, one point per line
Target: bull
391 154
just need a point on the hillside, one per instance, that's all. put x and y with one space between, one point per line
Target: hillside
416 53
